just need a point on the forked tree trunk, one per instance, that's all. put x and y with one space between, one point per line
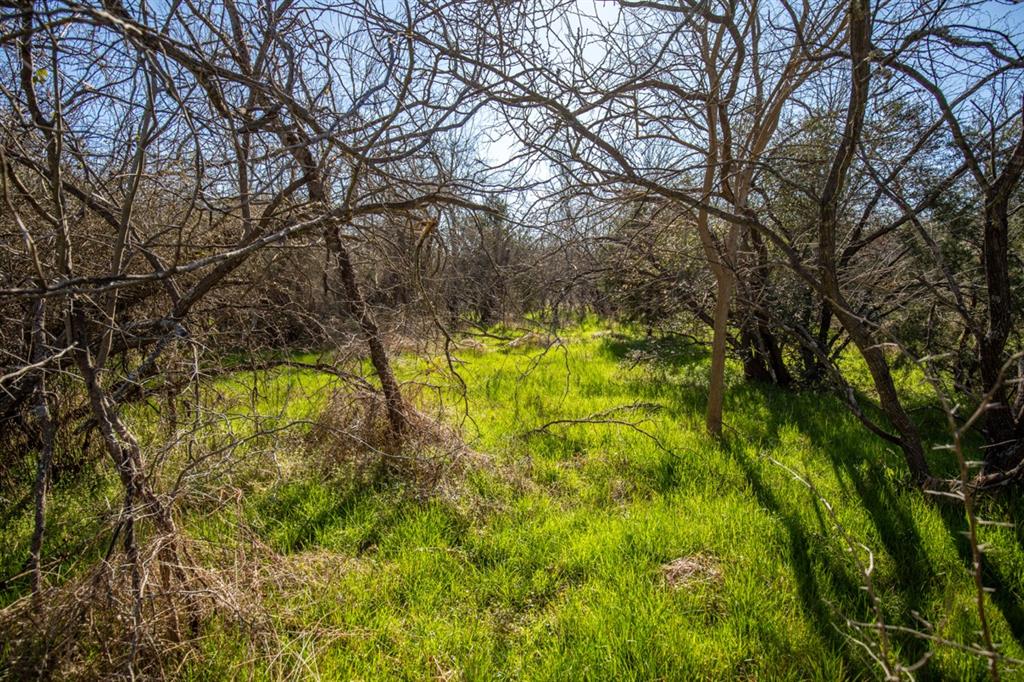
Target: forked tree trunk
120 443
763 360
755 369
140 500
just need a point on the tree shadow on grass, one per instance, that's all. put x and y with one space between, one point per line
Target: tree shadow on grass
884 499
298 516
673 351
886 502
1003 595
857 461
802 557
858 464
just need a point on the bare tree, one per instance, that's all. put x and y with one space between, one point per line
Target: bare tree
150 157
685 102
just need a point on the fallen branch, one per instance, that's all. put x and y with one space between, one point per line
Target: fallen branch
605 417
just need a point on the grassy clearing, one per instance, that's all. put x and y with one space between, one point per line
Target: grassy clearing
545 562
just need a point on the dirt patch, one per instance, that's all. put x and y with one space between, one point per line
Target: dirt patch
532 340
471 344
691 570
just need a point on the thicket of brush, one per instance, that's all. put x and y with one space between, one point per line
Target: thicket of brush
634 340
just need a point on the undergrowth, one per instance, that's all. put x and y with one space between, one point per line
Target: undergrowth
555 550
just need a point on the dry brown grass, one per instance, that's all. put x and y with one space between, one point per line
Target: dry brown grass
533 340
692 570
146 618
124 619
353 440
471 344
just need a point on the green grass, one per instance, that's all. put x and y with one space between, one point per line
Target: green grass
545 563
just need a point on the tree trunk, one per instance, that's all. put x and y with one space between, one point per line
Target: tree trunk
755 368
909 439
47 429
299 145
725 280
999 425
393 400
878 366
721 265
763 359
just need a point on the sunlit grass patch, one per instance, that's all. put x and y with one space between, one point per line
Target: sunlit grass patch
549 559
